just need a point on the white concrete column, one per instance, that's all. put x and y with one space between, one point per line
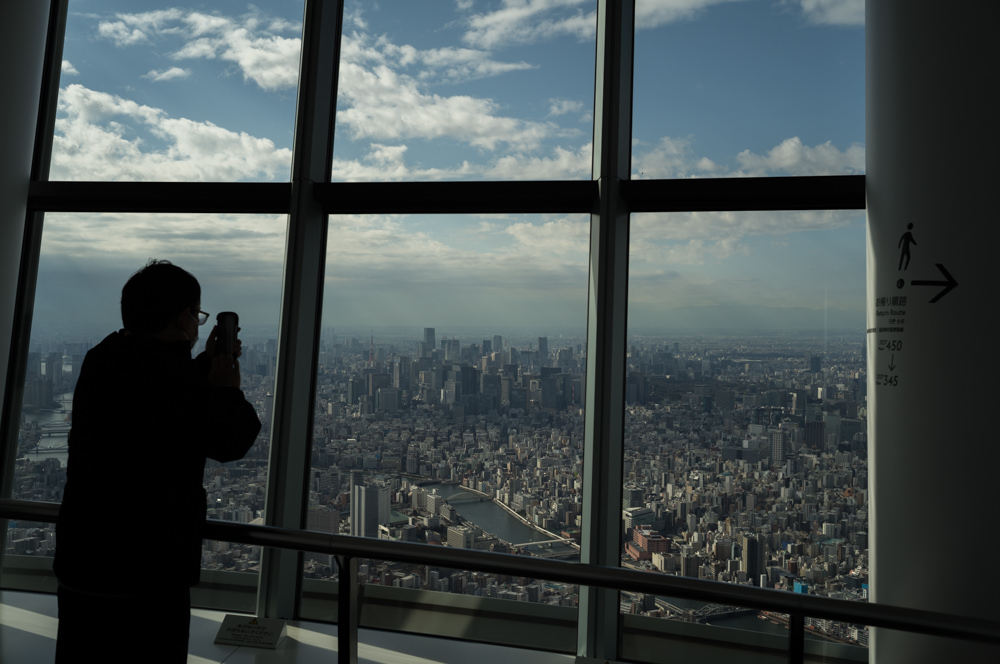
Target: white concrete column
22 46
933 179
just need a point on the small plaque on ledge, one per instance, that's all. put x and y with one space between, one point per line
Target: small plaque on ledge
250 631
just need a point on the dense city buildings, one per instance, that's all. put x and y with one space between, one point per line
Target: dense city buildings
745 457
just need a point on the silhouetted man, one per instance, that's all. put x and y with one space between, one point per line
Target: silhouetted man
145 418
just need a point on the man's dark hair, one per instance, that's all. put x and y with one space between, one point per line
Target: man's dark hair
155 294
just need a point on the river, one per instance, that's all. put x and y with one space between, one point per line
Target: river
494 519
56 444
489 516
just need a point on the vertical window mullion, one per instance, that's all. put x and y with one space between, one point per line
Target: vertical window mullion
30 241
598 635
302 294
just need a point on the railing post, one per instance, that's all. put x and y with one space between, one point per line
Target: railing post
348 608
796 638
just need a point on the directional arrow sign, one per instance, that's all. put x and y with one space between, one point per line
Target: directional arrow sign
892 363
948 284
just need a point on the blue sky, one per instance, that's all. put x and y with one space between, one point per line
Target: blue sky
464 90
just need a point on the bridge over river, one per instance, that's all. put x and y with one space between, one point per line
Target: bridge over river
706 612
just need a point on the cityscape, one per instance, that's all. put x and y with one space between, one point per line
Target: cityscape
745 458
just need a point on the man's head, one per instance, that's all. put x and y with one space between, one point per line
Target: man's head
154 296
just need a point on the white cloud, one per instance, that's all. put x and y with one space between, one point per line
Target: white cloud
653 253
69 69
167 74
121 34
410 261
552 241
697 238
709 227
562 164
834 12
656 13
521 21
463 64
272 62
528 21
258 46
105 137
381 101
565 106
383 104
670 158
87 257
448 64
388 163
791 157
676 158
130 29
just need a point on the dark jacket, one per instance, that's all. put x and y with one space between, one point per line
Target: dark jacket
145 419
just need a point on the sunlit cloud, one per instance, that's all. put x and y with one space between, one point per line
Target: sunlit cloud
69 69
726 226
130 29
791 157
383 104
532 21
560 164
676 158
167 74
105 137
387 163
670 158
86 258
394 268
565 106
448 64
262 48
526 21
833 12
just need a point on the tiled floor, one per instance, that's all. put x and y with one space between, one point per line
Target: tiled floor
28 632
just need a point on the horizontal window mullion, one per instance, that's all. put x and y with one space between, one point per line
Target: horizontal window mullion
458 197
827 192
235 197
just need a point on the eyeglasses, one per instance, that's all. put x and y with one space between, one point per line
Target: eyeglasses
202 317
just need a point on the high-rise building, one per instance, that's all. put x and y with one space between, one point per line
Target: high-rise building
779 448
752 560
451 349
364 510
54 368
461 536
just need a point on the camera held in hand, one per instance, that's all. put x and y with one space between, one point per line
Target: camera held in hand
228 323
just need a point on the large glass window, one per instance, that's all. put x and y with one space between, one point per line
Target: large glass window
737 89
84 262
745 438
464 91
745 448
449 406
177 92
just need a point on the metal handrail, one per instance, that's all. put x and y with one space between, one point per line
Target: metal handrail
348 548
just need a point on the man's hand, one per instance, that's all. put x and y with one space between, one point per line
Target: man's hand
225 371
